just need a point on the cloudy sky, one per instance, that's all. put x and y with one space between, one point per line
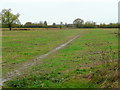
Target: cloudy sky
100 11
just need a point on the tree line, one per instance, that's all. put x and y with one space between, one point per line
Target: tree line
10 20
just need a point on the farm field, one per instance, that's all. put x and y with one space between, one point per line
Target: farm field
89 61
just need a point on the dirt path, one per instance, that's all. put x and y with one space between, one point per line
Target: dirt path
33 62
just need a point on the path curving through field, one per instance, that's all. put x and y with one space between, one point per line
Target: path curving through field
33 62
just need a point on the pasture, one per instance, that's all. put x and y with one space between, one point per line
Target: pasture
89 61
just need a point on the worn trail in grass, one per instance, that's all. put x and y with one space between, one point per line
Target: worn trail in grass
33 62
23 46
88 62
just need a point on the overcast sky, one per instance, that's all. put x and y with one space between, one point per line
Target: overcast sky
100 11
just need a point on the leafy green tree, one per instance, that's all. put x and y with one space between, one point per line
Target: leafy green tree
89 24
78 22
41 24
28 24
9 19
61 25
54 24
45 23
103 25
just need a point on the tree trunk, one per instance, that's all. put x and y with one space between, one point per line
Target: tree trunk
10 27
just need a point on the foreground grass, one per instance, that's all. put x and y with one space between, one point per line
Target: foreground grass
21 46
88 62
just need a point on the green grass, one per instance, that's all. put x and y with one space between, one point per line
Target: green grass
81 64
21 46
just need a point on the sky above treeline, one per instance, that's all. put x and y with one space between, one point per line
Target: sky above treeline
100 11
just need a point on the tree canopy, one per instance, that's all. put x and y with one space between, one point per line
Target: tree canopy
78 22
9 19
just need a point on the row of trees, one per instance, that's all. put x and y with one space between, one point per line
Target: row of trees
10 20
77 23
42 24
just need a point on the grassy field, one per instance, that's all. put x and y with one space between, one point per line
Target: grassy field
90 61
20 46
